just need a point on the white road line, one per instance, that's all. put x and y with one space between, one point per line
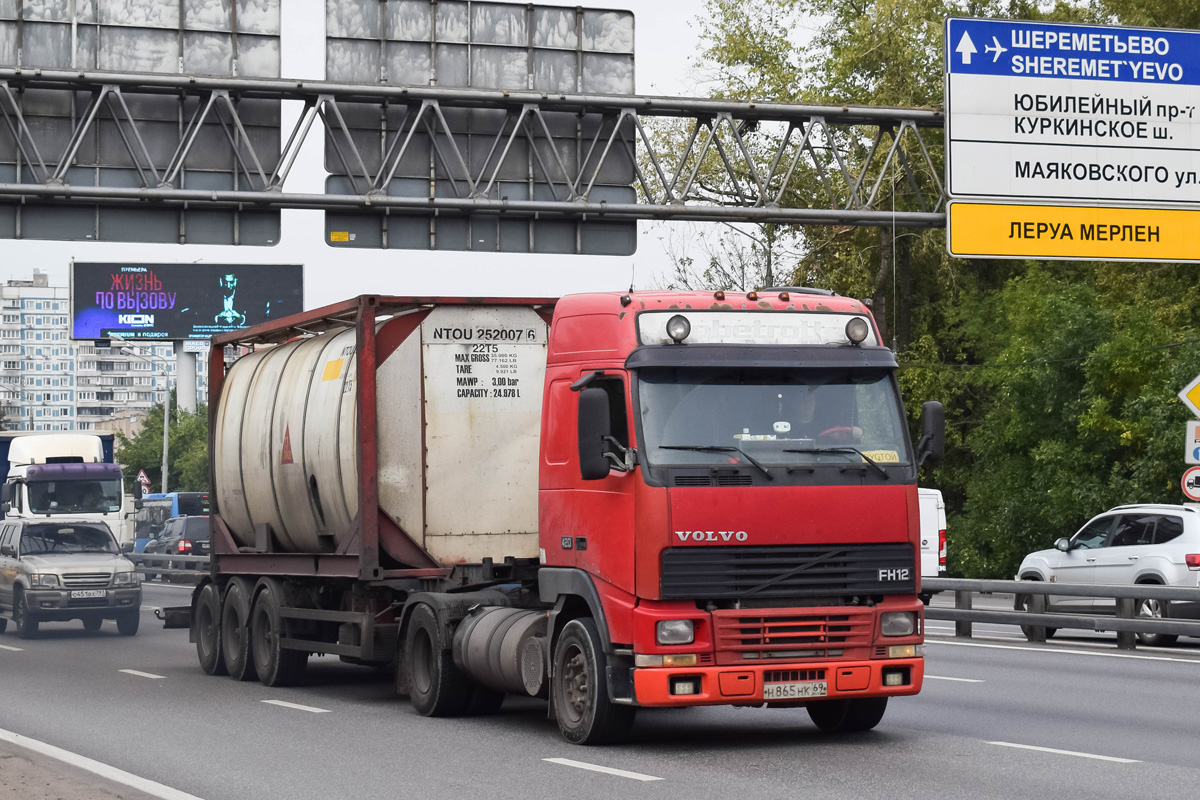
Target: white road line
1064 651
97 768
1067 753
143 674
297 706
620 773
956 680
12 649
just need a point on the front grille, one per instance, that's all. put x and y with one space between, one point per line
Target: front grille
793 675
86 580
788 634
791 571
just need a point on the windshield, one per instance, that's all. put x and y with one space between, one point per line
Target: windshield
776 417
193 504
46 539
75 497
151 517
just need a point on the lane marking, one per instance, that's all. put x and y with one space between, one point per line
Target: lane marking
11 649
143 674
97 768
296 706
1066 652
1067 752
620 773
956 680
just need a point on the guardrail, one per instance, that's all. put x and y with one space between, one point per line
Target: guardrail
168 566
1035 619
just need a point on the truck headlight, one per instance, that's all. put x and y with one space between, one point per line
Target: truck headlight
898 623
42 580
126 579
675 631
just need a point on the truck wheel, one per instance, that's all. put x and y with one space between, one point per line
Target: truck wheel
276 665
579 689
1155 609
235 631
436 687
847 716
92 624
208 630
128 622
23 620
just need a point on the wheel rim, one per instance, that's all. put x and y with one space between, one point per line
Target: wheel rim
576 684
263 643
1152 609
20 613
422 676
207 628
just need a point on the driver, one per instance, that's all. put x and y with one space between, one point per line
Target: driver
824 422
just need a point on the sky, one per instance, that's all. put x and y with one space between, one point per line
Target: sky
665 40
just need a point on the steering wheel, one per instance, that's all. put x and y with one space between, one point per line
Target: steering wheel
839 433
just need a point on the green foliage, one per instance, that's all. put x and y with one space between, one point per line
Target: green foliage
187 450
1059 379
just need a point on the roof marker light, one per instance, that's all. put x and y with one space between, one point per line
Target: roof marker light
719 295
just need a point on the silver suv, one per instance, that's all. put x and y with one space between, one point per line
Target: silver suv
1135 544
59 570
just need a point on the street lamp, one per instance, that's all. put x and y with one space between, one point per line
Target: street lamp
129 351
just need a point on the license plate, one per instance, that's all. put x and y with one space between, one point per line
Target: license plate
795 691
80 594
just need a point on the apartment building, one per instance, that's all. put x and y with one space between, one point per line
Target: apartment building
50 383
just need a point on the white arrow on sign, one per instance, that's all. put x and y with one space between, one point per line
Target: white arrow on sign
967 48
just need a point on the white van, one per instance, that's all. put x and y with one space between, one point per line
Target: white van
933 533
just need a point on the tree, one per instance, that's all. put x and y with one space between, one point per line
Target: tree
187 449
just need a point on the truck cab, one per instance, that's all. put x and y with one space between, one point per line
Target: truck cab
55 475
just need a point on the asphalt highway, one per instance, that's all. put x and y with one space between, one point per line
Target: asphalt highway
998 718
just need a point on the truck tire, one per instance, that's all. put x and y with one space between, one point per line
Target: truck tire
128 622
235 631
23 619
207 620
579 689
847 716
436 688
276 665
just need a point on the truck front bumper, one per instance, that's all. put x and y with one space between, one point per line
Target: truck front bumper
744 685
59 605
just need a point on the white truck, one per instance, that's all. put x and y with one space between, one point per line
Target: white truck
64 474
933 535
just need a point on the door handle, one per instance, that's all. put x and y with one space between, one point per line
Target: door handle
1133 558
1090 560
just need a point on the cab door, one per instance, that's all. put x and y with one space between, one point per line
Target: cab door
1132 539
1078 565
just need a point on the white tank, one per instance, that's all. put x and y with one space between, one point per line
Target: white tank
459 392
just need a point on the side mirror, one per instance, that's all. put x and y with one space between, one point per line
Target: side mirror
7 507
137 494
137 505
1063 544
594 426
933 432
127 547
8 550
6 493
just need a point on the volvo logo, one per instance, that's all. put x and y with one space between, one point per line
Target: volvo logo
712 536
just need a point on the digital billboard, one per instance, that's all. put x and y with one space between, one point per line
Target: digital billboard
179 301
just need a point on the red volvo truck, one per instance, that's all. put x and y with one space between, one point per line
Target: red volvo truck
607 500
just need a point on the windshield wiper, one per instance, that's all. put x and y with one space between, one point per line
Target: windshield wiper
718 448
843 449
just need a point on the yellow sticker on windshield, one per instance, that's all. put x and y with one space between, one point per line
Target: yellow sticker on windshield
884 456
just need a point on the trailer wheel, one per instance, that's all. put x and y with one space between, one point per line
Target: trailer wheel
847 716
436 687
235 631
579 689
208 630
276 665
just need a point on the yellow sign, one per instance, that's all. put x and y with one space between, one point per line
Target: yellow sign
1191 396
995 230
339 236
333 369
